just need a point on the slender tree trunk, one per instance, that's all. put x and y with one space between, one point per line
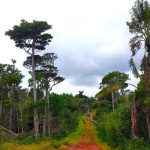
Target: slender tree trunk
1 107
48 116
36 118
45 116
147 115
134 121
113 101
10 110
45 119
21 120
10 118
17 122
146 67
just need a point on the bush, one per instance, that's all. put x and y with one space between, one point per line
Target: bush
137 144
114 127
63 120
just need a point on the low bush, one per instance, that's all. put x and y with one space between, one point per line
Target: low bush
114 127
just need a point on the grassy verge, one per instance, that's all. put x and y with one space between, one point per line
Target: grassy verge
74 136
46 143
103 145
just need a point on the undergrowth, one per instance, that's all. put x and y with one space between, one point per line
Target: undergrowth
45 143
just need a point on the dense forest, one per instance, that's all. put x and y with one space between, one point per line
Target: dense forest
39 119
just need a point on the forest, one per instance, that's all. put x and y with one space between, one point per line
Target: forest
36 118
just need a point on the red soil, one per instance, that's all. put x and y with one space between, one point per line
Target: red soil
84 143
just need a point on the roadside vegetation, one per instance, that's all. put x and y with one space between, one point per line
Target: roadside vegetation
35 118
45 143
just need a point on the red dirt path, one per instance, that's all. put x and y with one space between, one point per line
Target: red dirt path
87 141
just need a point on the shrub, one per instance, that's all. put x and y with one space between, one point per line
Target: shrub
114 127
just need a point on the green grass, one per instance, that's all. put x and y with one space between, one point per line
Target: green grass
76 134
45 143
103 145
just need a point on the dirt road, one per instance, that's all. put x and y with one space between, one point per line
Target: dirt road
87 141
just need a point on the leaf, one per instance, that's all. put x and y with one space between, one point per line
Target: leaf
109 89
133 68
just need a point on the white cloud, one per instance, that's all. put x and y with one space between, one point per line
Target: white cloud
89 35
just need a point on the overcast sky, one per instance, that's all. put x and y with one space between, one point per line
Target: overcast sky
90 38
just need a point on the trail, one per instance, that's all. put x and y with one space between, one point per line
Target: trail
87 141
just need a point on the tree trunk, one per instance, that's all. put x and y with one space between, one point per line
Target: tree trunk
36 118
17 121
134 121
44 123
45 119
147 115
21 120
113 101
146 67
1 107
10 109
48 116
10 118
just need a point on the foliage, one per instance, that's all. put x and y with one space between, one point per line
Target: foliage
32 38
112 82
139 27
137 144
142 91
62 119
111 127
110 89
113 77
102 107
147 104
28 34
114 127
9 75
134 68
46 143
142 94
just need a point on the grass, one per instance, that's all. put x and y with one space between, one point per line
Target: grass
46 143
35 146
74 136
104 146
51 143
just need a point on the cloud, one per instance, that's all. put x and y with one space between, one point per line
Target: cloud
83 63
90 37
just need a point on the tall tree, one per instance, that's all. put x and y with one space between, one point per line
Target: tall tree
139 26
113 83
46 77
31 37
10 78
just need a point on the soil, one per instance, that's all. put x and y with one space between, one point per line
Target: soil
87 141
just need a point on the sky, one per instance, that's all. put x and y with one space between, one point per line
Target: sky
90 38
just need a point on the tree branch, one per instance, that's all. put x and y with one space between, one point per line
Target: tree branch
8 131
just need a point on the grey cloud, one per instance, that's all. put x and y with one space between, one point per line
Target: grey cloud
84 64
86 54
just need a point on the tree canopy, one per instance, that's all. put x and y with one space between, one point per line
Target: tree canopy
113 78
30 34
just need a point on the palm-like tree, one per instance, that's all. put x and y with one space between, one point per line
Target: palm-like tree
140 28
